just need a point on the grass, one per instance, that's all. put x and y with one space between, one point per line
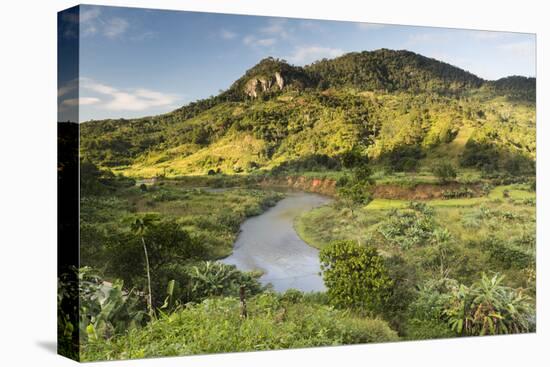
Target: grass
213 217
470 221
215 326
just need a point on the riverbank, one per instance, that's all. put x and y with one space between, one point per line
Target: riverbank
495 232
269 243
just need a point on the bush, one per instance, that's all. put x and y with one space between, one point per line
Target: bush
462 192
445 172
403 292
103 310
355 276
509 253
409 227
489 308
432 298
211 279
167 243
404 158
215 326
480 155
354 190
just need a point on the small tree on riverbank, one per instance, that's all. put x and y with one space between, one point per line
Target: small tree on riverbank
354 190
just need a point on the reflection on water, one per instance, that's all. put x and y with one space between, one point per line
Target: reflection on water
269 243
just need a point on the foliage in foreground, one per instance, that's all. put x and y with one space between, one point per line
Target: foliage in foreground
215 326
103 310
485 308
355 276
489 308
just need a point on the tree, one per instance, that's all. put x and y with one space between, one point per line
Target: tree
354 190
355 276
139 226
144 253
445 172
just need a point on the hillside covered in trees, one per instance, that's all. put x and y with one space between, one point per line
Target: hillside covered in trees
384 105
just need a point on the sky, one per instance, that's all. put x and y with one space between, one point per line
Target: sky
142 62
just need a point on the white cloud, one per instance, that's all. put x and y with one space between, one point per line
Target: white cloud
89 14
523 48
307 54
81 101
227 35
369 26
92 22
276 27
266 41
255 42
88 21
137 99
115 27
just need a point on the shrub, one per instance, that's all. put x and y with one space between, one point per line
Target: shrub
488 307
103 310
508 253
355 276
354 190
409 227
402 293
462 192
404 158
212 278
445 172
432 298
167 243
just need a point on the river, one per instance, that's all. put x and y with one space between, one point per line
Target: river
268 242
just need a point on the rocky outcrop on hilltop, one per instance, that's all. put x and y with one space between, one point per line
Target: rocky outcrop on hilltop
258 85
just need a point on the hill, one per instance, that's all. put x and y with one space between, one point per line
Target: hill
400 110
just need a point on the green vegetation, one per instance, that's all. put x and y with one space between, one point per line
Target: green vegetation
460 239
431 232
325 117
214 326
445 173
355 276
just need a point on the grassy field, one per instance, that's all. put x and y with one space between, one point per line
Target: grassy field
506 214
211 216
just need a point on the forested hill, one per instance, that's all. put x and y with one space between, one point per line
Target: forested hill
392 71
373 104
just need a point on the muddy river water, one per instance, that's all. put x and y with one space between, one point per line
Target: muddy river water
268 242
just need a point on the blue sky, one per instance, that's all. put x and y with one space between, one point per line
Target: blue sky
139 62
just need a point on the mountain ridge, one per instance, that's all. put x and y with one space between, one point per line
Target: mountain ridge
372 103
308 77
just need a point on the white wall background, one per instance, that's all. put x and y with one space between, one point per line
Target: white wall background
28 181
